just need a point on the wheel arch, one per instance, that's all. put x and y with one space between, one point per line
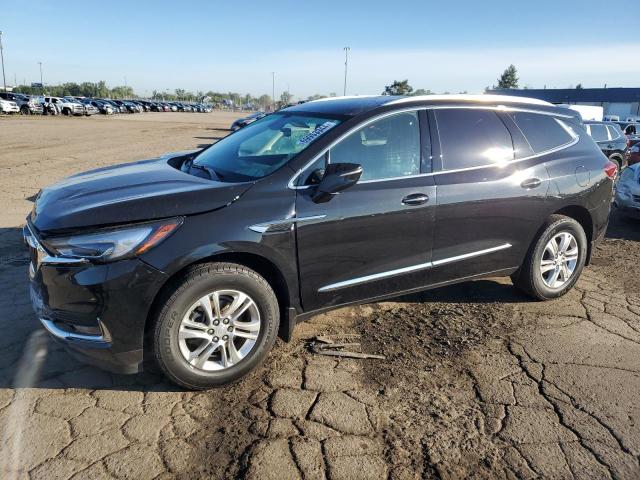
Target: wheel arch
581 215
260 264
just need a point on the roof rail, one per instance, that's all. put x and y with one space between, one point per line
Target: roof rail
473 98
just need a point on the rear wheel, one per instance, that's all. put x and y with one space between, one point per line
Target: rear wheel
215 326
554 262
24 110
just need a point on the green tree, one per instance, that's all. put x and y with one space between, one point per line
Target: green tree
422 91
285 98
398 87
264 101
509 78
579 86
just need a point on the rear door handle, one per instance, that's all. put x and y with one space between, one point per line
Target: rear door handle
415 199
531 183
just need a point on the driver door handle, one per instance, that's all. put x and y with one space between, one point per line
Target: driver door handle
531 183
415 199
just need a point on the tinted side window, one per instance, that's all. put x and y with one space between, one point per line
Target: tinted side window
598 132
472 138
543 132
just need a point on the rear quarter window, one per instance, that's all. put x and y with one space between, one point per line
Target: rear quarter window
543 132
472 138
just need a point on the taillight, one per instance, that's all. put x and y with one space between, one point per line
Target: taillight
611 169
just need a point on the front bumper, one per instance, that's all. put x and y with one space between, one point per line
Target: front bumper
98 311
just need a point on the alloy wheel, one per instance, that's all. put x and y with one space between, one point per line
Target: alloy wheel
559 260
219 330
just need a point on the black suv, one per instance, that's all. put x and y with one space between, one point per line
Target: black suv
198 260
610 139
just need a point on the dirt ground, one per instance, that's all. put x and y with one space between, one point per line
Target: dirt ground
479 381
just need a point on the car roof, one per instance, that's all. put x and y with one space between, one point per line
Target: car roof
355 105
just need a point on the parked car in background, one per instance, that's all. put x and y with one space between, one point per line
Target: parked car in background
65 106
633 154
90 109
8 106
324 204
26 104
627 199
244 121
632 132
102 106
610 139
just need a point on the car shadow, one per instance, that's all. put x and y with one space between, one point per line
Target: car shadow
623 228
475 291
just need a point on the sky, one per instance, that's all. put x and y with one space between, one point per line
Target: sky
446 46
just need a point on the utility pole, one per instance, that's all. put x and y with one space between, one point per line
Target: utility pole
273 89
346 62
4 80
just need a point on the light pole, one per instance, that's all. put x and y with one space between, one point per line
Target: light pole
273 89
346 61
4 80
41 81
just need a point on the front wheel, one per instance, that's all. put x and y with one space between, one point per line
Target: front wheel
554 262
215 326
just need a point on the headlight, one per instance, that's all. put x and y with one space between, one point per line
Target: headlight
113 244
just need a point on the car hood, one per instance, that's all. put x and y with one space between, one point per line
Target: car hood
139 191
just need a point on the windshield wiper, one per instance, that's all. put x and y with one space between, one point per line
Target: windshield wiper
213 175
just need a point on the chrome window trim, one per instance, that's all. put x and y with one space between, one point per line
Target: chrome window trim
499 108
414 268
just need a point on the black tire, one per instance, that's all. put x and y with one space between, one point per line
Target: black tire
194 284
24 110
67 112
529 277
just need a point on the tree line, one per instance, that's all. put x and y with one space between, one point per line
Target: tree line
101 90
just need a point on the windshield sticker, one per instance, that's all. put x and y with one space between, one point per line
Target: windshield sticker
310 137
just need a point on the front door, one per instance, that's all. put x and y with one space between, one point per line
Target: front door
374 238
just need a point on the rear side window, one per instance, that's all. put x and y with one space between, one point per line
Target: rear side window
614 132
543 132
472 138
598 132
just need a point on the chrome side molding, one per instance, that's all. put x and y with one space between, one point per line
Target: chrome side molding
64 335
413 268
263 227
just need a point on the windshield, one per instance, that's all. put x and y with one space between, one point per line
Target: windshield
263 146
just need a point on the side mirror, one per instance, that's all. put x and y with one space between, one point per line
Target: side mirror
337 177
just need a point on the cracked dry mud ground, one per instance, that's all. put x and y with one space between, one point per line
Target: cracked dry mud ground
480 382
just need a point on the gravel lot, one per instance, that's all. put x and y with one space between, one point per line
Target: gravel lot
480 382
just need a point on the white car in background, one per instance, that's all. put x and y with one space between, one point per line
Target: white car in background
627 199
65 106
9 106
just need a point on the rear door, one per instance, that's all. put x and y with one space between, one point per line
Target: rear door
374 238
491 192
